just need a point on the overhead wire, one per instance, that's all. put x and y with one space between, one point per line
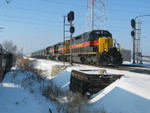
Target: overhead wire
63 3
33 23
55 23
28 18
29 9
126 4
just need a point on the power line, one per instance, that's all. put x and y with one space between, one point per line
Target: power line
52 12
73 4
27 18
65 3
29 9
125 4
37 10
33 23
34 19
49 12
45 20
122 11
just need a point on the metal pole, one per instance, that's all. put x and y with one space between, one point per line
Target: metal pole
137 38
139 54
64 22
71 63
133 50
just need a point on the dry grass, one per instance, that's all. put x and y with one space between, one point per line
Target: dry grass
56 69
26 64
53 92
76 103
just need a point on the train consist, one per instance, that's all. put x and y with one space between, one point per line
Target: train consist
94 47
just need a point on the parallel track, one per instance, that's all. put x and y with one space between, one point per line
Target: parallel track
126 67
131 68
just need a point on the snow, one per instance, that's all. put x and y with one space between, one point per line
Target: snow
21 95
129 94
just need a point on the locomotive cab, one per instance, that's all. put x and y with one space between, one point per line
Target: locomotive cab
108 54
103 38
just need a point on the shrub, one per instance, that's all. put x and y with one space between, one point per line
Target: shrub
73 103
52 91
77 105
56 69
26 64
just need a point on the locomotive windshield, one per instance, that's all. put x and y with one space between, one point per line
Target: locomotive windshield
100 34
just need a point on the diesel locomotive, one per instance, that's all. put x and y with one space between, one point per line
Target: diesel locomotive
94 47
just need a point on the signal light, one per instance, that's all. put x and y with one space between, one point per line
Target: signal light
72 29
132 33
70 16
133 23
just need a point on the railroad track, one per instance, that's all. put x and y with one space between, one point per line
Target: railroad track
126 67
131 68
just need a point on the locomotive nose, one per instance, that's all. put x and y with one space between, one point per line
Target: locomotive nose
104 44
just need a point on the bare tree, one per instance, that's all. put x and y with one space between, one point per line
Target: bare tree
9 46
20 53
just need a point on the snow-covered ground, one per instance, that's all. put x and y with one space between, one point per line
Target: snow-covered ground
130 94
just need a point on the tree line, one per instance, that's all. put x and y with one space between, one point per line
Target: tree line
10 47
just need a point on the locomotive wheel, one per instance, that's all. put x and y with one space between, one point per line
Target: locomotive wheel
82 59
48 58
103 59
